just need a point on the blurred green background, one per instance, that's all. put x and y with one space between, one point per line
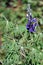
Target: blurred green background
17 46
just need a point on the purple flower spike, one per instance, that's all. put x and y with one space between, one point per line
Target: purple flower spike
32 23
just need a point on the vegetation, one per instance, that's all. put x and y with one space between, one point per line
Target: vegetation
17 45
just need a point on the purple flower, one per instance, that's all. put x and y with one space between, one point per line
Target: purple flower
32 23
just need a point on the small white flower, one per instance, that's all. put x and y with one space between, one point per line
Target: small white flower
27 15
30 13
22 48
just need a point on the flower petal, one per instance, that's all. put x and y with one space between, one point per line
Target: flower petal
34 20
31 30
27 27
34 25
